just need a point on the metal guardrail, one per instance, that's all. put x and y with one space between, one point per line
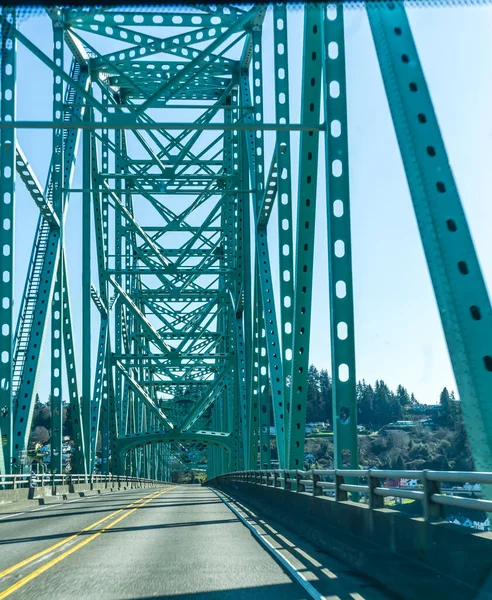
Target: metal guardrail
345 481
13 482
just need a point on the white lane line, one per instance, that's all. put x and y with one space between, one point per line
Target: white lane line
45 507
10 516
30 511
299 577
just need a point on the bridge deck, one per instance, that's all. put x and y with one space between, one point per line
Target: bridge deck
180 542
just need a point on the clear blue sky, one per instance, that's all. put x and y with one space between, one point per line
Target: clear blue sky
398 333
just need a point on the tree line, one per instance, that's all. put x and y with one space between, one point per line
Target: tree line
377 405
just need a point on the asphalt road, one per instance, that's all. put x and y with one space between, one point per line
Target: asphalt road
180 542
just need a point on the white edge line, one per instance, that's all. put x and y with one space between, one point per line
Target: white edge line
9 516
310 589
45 507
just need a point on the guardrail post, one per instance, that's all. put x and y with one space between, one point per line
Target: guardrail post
277 482
340 495
300 486
373 482
432 512
317 491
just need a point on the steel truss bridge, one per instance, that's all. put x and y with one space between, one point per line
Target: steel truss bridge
162 111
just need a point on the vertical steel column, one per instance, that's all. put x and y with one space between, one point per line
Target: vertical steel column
46 254
254 416
263 388
99 388
339 240
78 460
86 287
266 288
232 400
284 186
57 317
458 283
306 214
233 209
8 45
241 179
121 390
114 465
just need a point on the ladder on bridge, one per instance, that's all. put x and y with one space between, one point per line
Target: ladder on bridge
27 311
38 254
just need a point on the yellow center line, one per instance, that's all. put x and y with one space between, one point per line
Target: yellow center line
22 582
72 537
65 540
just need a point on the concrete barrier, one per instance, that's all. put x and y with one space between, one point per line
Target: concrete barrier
412 558
18 495
60 492
40 492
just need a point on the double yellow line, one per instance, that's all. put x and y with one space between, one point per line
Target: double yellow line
130 508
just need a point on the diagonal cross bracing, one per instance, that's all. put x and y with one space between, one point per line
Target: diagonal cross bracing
187 338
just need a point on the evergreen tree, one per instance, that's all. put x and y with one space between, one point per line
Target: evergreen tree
313 408
365 409
403 396
445 411
381 404
326 391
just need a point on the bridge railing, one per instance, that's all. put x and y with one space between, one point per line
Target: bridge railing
339 483
13 482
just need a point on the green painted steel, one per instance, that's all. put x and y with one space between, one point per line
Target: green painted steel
339 241
57 310
304 249
190 348
284 186
7 213
461 295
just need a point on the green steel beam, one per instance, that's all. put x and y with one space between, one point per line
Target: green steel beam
459 287
26 173
132 124
306 215
88 166
173 213
57 315
284 187
8 59
99 390
262 258
78 458
339 241
39 291
140 391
